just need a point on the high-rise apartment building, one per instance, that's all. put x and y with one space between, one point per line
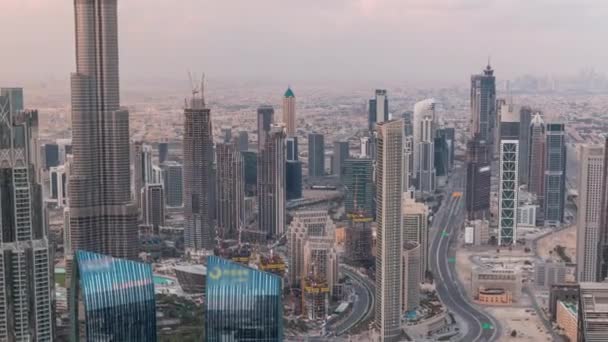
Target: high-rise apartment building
26 310
411 275
389 237
592 312
508 186
153 206
378 109
424 146
478 186
289 112
525 118
199 230
173 183
341 153
271 183
408 162
536 158
590 190
416 229
359 184
483 104
316 155
102 218
230 190
555 173
602 266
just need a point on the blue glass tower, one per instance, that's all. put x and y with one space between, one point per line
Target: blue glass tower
243 304
118 298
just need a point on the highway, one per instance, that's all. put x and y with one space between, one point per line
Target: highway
480 326
363 306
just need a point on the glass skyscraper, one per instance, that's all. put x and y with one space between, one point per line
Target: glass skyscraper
243 304
118 298
555 173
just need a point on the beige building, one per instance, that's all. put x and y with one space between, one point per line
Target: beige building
593 311
484 279
289 112
415 228
411 275
567 319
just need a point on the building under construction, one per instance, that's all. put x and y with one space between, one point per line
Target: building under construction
272 264
237 253
358 243
315 298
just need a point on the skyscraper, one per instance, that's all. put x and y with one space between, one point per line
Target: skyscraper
163 152
389 246
26 312
411 275
341 153
378 109
265 120
153 206
477 191
536 160
602 267
408 162
525 119
590 189
483 104
289 112
555 173
230 190
359 185
293 169
199 231
424 150
416 229
592 312
173 183
271 183
508 186
243 141
316 155
102 217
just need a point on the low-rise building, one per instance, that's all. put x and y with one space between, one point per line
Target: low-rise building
567 319
484 278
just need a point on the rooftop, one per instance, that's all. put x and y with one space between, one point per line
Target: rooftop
289 92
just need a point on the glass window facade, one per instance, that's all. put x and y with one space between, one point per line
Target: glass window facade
118 298
243 304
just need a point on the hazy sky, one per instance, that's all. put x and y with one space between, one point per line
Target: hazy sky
290 40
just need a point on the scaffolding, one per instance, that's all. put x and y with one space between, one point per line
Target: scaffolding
315 298
272 264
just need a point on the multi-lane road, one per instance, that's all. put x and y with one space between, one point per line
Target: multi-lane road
480 326
363 305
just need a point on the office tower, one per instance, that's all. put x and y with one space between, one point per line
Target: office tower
58 185
359 185
117 297
442 155
230 190
592 312
289 112
163 152
536 158
408 123
293 181
199 188
137 157
271 183
589 211
173 183
483 104
341 153
366 147
450 136
26 312
389 177
411 275
416 228
103 218
316 155
408 162
265 120
508 186
153 206
378 109
602 267
424 149
525 119
555 173
358 240
226 135
243 140
242 303
477 191
291 149
51 155
318 227
250 163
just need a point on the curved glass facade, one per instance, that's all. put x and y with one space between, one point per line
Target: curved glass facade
118 298
243 304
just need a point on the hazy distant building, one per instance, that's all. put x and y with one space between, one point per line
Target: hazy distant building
293 179
163 152
58 185
199 230
142 168
51 155
525 119
555 173
153 206
411 275
230 190
478 186
265 120
271 183
424 146
378 109
289 112
602 268
408 162
173 183
590 190
316 155
483 104
226 136
508 187
359 186
389 245
243 140
102 216
416 228
592 312
341 153
536 162
26 294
